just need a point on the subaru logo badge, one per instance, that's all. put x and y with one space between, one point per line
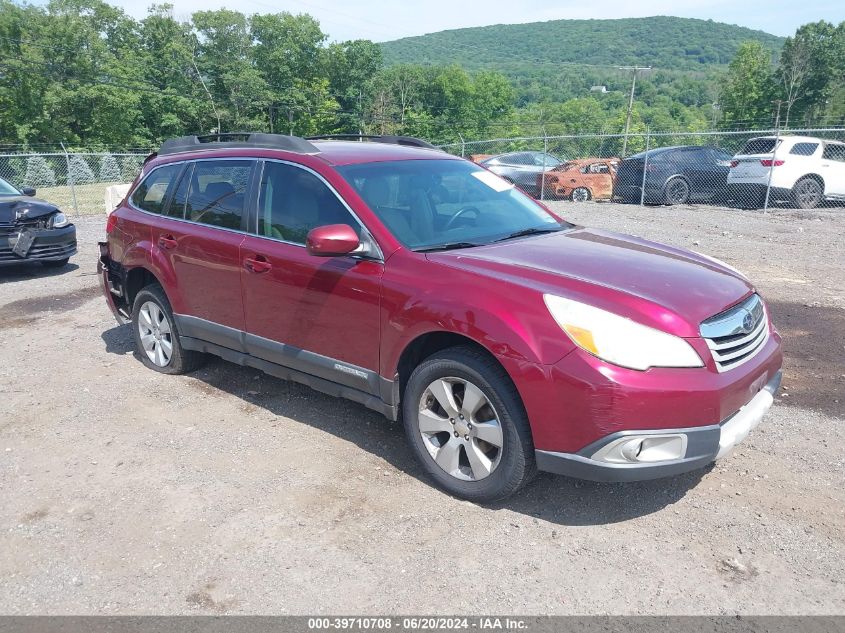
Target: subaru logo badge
748 322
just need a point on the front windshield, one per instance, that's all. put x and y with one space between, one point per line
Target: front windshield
8 190
429 204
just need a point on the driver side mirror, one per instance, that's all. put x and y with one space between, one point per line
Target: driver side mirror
28 191
332 240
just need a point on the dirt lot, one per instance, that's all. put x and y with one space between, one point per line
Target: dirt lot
227 491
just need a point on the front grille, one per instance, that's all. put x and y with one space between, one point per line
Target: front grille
737 334
12 229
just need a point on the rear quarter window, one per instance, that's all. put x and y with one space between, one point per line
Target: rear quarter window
151 194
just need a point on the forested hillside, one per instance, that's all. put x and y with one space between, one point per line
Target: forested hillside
663 41
86 74
562 59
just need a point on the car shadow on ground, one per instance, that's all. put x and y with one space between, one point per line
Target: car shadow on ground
556 499
32 270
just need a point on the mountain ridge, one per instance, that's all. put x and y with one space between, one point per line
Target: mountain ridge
667 42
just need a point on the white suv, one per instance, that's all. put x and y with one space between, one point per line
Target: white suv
805 171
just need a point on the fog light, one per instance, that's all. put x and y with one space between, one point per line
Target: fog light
643 449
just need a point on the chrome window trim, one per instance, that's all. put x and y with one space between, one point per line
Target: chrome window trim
379 255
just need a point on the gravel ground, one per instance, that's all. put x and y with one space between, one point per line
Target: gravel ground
227 491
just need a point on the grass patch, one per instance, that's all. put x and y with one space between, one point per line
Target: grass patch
90 199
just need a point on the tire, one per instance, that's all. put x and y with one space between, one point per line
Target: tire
55 263
580 194
474 468
676 191
808 193
152 315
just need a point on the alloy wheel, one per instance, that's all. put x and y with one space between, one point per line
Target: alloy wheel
581 194
460 428
156 333
677 191
808 193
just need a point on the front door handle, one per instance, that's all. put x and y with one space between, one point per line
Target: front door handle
167 241
257 264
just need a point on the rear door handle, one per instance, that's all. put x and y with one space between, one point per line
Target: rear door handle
167 241
257 264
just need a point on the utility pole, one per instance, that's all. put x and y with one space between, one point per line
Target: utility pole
634 70
360 114
777 116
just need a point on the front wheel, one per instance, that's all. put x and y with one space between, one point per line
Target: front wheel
467 427
156 337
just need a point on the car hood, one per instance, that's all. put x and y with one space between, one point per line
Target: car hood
13 208
665 287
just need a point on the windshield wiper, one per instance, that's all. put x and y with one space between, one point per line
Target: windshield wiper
532 231
446 247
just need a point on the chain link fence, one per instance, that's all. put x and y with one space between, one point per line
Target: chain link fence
758 169
75 182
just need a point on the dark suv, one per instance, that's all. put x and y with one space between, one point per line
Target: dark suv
431 290
674 175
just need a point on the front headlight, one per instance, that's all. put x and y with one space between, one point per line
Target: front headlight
619 340
58 220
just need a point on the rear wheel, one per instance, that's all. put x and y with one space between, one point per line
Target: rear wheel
580 194
156 337
676 191
807 193
467 426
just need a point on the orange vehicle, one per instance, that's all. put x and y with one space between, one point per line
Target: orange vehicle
580 180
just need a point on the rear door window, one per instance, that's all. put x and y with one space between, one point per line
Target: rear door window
804 149
151 194
217 192
545 160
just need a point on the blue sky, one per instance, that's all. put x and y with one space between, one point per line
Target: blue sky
380 20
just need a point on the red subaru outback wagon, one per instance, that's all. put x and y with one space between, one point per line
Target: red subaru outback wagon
427 288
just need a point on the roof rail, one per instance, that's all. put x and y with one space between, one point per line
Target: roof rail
237 139
410 141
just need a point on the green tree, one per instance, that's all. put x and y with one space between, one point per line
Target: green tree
811 68
748 87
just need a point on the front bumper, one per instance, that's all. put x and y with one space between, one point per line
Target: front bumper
46 245
703 445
